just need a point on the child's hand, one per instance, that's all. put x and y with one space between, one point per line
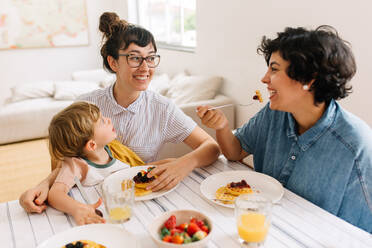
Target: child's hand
85 214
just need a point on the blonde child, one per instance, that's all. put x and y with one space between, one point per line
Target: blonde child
83 142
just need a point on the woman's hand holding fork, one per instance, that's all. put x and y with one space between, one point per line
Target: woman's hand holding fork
212 118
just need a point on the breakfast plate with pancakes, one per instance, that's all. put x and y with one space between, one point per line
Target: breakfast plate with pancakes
93 236
222 188
141 193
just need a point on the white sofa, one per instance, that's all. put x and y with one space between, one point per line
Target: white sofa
28 118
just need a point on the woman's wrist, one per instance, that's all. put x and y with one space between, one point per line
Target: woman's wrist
190 160
202 155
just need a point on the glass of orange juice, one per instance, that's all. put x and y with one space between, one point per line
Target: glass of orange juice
118 200
253 219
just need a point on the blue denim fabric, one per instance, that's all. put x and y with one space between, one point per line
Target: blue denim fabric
330 164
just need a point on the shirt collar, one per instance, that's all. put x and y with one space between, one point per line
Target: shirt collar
316 131
102 166
132 108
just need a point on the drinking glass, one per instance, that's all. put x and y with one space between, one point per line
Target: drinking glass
118 200
253 219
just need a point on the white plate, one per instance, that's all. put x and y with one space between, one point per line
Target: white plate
116 178
260 183
112 236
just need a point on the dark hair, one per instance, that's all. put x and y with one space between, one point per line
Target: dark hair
119 34
318 54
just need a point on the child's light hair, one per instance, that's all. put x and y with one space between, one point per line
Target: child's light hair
71 129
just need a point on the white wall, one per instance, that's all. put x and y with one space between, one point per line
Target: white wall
228 33
26 65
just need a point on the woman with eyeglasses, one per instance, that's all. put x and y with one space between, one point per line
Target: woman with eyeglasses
144 120
303 137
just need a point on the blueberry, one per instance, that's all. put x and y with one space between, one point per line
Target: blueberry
79 245
139 174
70 245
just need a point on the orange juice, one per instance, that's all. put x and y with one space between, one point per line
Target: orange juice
252 227
120 213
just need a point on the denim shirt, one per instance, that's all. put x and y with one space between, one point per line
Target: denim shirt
330 164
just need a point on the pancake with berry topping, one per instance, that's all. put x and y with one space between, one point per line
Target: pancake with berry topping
223 195
83 244
142 181
239 188
227 194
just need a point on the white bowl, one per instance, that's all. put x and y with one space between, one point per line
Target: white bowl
182 216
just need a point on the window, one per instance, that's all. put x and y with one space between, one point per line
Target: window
172 22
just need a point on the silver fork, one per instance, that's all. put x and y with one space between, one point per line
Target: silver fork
231 104
232 201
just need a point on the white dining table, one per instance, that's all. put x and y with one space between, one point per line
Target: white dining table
296 222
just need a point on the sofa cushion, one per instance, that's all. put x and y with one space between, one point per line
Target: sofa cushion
185 89
100 76
70 90
89 75
160 84
31 90
28 119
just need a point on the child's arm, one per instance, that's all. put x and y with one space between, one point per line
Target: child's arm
82 213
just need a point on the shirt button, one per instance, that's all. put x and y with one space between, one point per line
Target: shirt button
293 157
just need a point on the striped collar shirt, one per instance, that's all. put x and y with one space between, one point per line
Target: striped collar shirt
147 124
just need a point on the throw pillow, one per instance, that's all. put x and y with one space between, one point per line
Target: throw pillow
160 84
32 90
97 75
186 89
108 80
70 90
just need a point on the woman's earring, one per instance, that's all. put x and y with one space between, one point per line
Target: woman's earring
305 87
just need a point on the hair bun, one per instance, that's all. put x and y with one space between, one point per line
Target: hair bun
109 22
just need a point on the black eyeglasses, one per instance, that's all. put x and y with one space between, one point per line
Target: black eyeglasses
135 61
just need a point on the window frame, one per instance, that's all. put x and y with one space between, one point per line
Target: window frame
135 17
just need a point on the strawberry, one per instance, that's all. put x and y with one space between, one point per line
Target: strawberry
175 230
204 228
171 222
193 220
183 226
200 223
192 228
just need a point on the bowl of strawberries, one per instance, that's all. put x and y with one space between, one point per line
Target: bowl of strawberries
186 228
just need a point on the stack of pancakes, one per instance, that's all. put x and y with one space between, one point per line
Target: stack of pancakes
227 194
141 182
83 244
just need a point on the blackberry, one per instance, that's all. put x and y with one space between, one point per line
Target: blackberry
79 245
70 245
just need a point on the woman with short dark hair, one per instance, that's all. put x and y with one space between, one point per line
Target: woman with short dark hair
303 137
